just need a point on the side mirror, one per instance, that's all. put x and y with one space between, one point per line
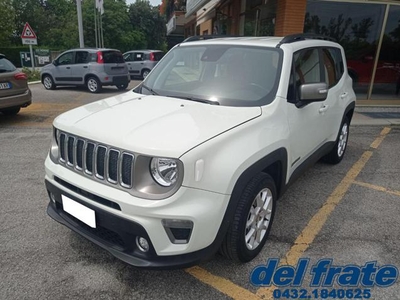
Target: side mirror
312 92
55 62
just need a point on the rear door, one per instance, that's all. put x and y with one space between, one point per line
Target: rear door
62 73
337 95
137 63
114 63
80 66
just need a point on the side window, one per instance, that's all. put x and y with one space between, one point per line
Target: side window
66 59
128 57
138 56
333 65
306 69
81 57
307 66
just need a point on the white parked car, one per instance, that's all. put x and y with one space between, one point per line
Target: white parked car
193 160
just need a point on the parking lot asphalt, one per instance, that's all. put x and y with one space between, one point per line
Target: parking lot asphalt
347 213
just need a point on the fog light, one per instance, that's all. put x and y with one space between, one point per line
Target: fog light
142 244
52 197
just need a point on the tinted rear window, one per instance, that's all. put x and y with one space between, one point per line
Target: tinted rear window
112 57
6 66
158 55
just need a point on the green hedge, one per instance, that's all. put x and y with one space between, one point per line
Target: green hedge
12 53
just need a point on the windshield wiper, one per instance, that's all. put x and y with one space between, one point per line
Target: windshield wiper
198 100
149 89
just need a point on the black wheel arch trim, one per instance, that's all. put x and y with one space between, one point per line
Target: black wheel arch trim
280 156
87 76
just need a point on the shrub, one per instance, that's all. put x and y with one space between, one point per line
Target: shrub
32 75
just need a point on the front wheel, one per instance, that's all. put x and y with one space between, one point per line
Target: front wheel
252 221
93 85
48 82
337 153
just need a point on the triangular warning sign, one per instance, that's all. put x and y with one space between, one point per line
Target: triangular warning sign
28 33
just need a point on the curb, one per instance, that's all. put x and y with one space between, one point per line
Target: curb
34 82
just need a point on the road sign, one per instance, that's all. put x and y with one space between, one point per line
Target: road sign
28 36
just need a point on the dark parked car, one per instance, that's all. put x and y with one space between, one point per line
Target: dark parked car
14 90
141 62
90 67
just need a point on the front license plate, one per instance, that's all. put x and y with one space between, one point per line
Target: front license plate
79 211
4 86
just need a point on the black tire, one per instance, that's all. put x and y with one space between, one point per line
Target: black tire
145 72
122 86
48 82
338 151
93 84
11 111
235 246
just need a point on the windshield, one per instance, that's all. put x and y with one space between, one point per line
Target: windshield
227 74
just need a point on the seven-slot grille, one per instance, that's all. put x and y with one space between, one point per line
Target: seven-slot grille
95 160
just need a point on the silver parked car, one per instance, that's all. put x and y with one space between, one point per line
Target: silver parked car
90 67
141 62
14 90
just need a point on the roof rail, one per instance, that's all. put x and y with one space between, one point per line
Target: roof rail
206 37
302 37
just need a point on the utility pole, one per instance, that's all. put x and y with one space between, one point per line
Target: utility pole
80 25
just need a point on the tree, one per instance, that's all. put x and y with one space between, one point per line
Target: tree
7 14
147 19
118 32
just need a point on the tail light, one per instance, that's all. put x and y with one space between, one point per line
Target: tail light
100 59
20 76
152 56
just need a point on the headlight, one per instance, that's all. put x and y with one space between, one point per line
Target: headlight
164 170
54 150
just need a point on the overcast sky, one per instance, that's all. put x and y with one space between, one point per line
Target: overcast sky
152 2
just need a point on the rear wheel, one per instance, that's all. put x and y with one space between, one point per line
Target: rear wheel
252 220
145 73
337 153
122 86
48 82
93 85
11 111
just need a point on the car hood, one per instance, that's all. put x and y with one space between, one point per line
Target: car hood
152 125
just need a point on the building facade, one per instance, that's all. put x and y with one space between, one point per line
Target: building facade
369 31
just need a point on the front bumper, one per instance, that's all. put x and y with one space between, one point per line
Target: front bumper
119 222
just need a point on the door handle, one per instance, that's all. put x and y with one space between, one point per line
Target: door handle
68 68
323 109
85 67
344 95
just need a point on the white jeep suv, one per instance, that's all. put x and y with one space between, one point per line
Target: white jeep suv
193 159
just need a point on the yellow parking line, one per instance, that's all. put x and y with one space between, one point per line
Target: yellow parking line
221 284
379 139
316 223
378 188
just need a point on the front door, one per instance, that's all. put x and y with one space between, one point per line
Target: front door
62 70
308 132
